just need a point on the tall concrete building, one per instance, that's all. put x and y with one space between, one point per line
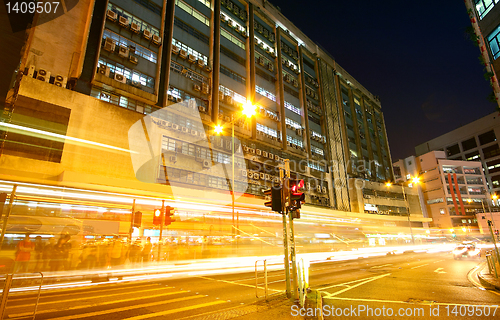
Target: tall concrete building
123 96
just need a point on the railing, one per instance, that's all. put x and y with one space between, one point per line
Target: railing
303 279
9 278
492 266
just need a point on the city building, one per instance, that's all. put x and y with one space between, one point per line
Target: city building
485 21
126 102
475 141
452 191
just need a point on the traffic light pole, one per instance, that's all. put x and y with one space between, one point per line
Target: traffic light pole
285 235
161 228
295 294
131 230
490 223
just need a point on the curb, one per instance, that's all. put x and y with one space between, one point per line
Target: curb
485 282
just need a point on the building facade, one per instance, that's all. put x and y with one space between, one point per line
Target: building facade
126 101
452 191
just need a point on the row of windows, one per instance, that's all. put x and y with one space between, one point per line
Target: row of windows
233 56
226 34
139 50
122 101
267 130
294 124
265 93
132 75
179 120
484 6
190 30
190 50
236 96
133 19
177 93
169 144
233 75
294 141
317 150
292 108
192 11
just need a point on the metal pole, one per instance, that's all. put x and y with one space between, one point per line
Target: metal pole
494 242
295 294
162 217
265 277
232 178
5 295
131 224
7 215
285 238
408 213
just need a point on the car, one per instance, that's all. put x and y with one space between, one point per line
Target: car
466 251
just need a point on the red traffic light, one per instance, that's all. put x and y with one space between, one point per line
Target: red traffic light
169 212
157 217
296 186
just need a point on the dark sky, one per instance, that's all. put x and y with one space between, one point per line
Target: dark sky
415 55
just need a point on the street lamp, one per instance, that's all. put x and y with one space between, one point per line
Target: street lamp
415 180
248 111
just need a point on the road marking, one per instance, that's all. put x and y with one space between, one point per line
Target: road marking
239 284
470 276
357 285
420 266
414 303
384 265
438 270
86 298
345 284
145 305
163 313
97 304
438 261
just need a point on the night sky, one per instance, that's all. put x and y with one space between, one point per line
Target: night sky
415 55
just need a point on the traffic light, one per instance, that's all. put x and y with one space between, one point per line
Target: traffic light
275 203
157 217
296 195
169 212
496 232
137 219
295 214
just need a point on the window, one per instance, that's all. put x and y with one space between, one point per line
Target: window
267 94
472 156
122 101
469 144
195 13
131 75
139 50
143 25
483 7
294 141
294 124
487 137
491 151
190 50
292 108
226 34
231 74
267 130
452 150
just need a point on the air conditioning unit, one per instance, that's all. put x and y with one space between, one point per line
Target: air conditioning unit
227 119
206 163
295 83
194 133
156 40
43 75
204 88
318 188
146 34
31 71
104 70
60 81
192 104
183 54
299 132
175 49
228 145
133 59
262 176
244 173
202 109
191 58
136 83
276 179
184 130
208 69
229 100
270 155
324 190
120 78
175 126
245 149
264 154
201 63
123 21
270 66
123 52
196 88
251 150
173 159
277 158
109 45
258 152
267 176
111 15
289 126
260 61
308 186
134 27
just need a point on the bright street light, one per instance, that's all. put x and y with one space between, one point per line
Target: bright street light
218 129
249 109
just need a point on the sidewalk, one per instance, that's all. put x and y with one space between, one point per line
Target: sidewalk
488 280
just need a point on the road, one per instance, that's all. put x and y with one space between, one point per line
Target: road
395 281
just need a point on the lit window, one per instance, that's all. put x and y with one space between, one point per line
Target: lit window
483 7
493 40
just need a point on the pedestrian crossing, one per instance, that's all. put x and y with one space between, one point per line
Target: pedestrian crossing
142 301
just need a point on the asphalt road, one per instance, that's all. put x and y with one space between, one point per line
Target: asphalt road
398 281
